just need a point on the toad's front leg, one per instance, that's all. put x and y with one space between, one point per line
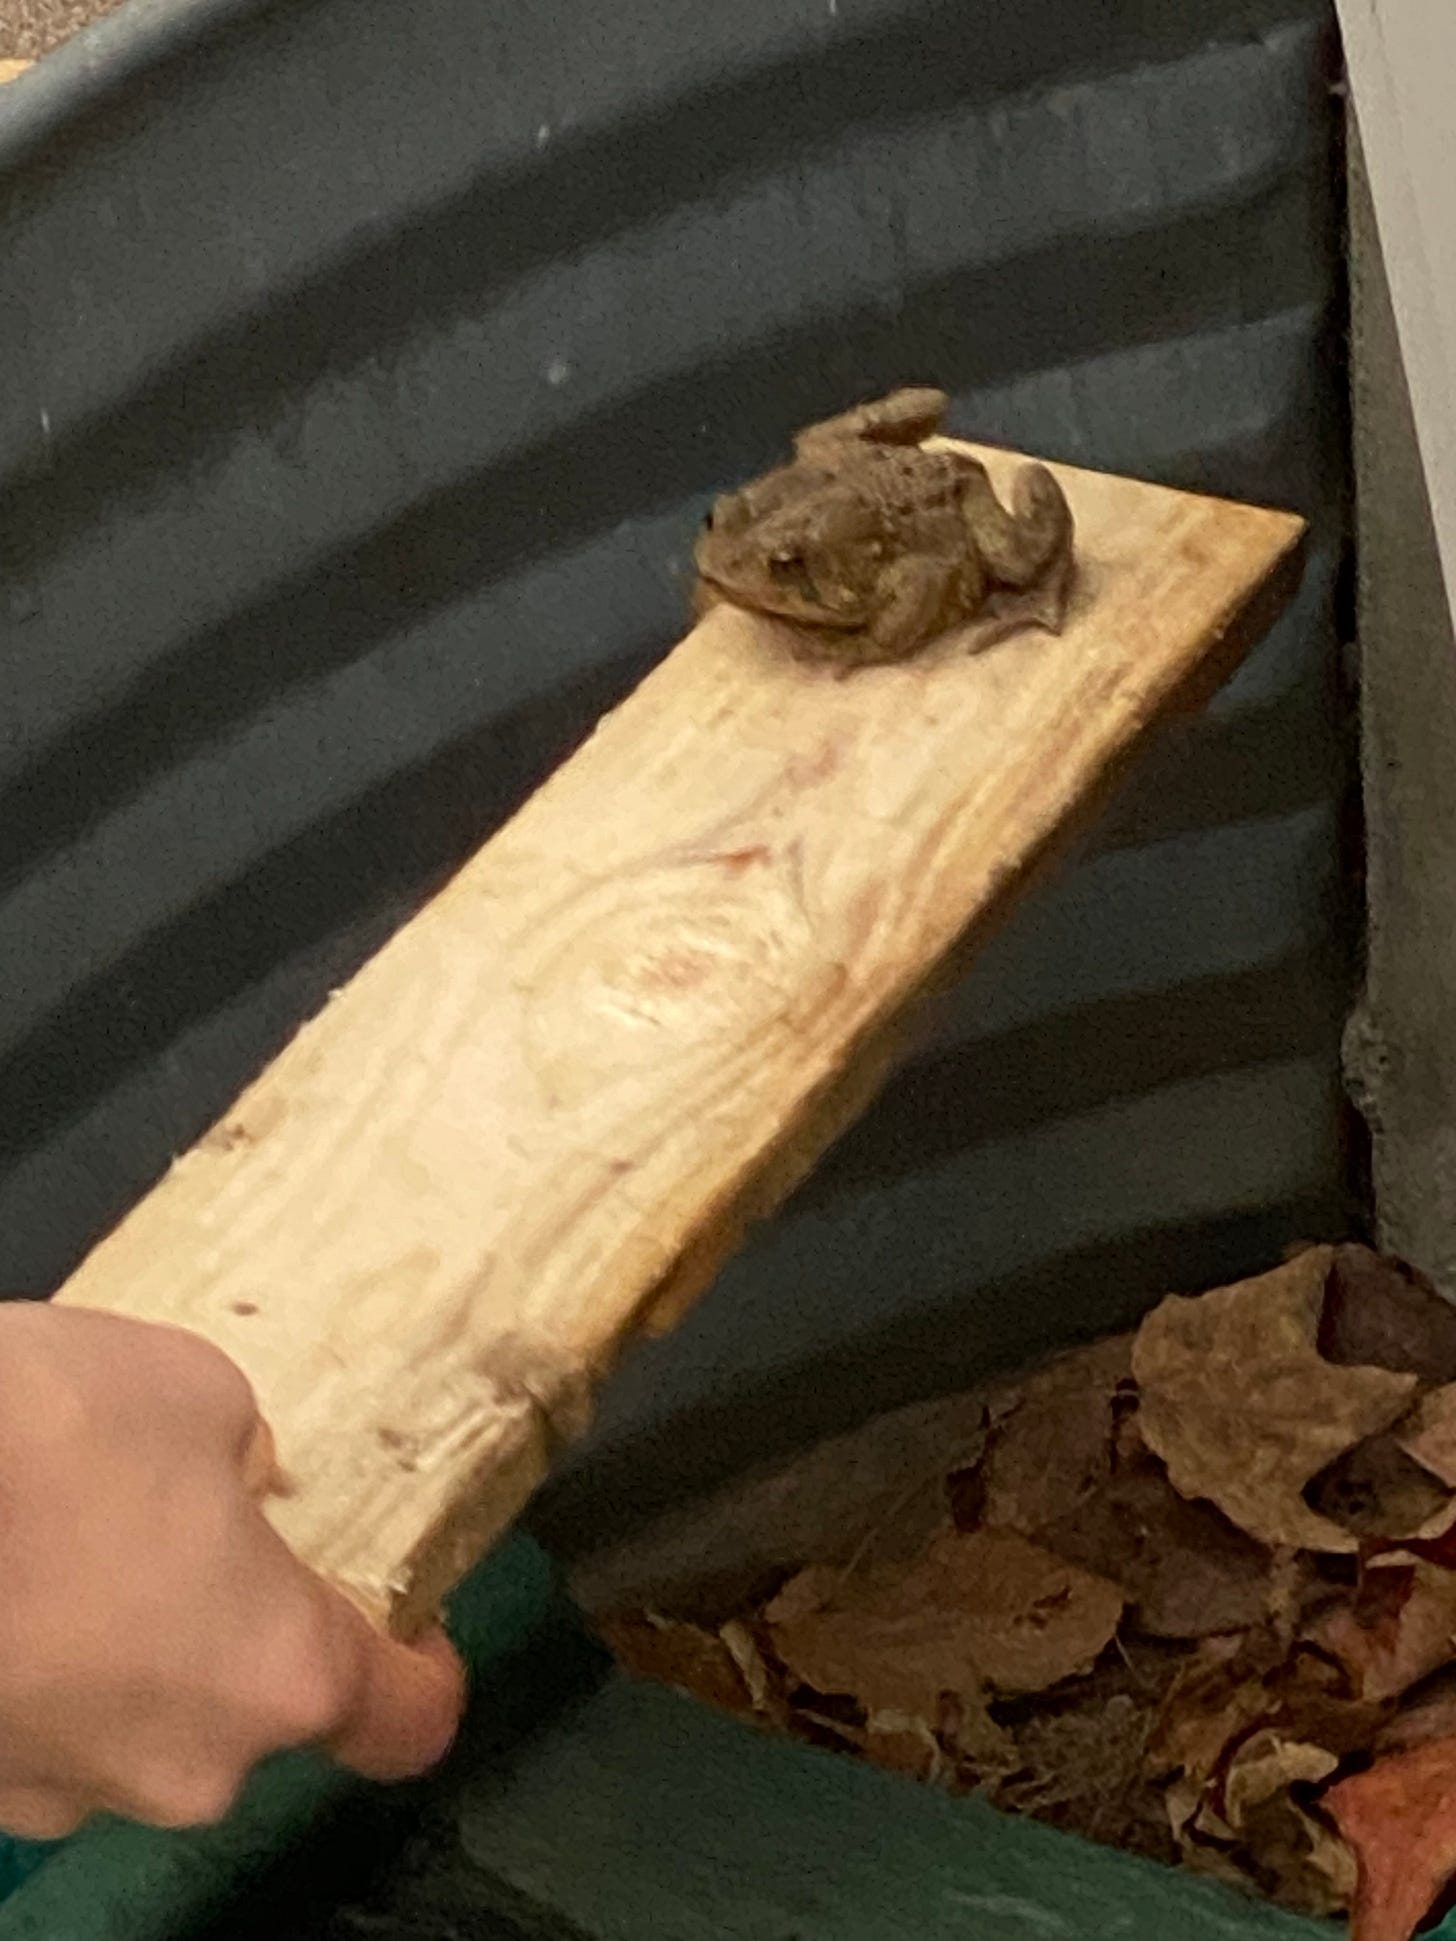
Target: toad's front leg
916 599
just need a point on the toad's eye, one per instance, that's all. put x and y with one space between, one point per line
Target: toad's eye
790 572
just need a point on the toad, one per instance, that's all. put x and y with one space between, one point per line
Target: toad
874 546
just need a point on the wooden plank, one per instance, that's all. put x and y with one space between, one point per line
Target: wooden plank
541 1117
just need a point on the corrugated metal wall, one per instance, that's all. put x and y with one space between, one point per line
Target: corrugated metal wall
365 371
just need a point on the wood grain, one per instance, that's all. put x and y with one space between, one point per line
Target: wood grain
543 1114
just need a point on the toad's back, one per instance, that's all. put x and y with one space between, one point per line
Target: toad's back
918 493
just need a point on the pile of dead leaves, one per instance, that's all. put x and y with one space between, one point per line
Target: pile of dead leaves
1194 1595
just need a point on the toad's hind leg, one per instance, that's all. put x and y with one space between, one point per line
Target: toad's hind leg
905 417
1027 552
1032 542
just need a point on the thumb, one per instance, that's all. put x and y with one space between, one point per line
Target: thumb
407 1702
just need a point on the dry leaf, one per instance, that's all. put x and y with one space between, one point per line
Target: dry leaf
1296 1858
839 1726
1053 1447
1431 1716
1291 1576
1377 1490
1402 1628
810 1591
1400 1818
1429 1433
1228 1690
968 1729
903 1743
1311 1703
1186 1571
1439 1550
968 1647
1265 1764
738 1641
1242 1408
1213 1863
1230 1808
990 1608
1214 1700
669 1653
1382 1313
1300 1862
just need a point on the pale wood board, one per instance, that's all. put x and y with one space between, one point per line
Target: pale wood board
544 1113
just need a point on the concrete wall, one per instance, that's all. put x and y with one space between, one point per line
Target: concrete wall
1401 1045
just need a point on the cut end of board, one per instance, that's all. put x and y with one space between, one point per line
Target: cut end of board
544 1114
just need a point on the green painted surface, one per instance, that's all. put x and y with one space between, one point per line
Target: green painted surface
19 1860
612 1811
118 1882
642 1817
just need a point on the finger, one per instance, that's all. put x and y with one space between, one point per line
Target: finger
406 1707
206 1381
204 1385
38 1813
261 1476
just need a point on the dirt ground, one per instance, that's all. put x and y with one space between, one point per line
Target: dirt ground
30 28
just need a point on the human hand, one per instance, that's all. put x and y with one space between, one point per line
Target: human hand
157 1637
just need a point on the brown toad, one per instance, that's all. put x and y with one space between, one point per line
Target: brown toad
875 546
